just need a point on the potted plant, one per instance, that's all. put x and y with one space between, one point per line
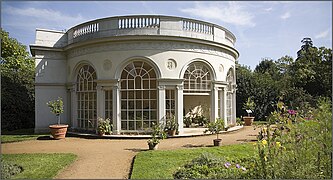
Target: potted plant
104 126
171 126
216 128
58 131
249 106
187 121
157 134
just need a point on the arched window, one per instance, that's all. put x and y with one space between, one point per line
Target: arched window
197 78
86 98
230 79
138 96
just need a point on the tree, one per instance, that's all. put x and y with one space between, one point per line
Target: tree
298 83
244 81
269 66
17 84
307 43
312 69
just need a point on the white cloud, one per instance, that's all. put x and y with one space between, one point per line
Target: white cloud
286 15
231 12
29 17
268 9
323 34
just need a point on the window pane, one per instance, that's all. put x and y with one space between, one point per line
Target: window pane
138 75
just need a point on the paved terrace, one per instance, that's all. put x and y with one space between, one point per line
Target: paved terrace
112 158
188 132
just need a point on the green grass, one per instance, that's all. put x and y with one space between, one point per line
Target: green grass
162 164
260 122
37 166
19 135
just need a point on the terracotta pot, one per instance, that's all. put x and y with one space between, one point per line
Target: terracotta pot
58 131
153 146
101 134
171 132
248 120
217 142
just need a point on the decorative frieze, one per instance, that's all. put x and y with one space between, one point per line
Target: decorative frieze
167 46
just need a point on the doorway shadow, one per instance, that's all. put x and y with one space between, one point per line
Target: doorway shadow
44 138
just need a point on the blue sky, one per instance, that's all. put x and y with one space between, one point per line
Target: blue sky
269 29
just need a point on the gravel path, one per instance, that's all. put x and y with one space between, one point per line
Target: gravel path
112 158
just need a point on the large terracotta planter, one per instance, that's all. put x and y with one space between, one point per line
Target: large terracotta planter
101 134
248 120
153 146
58 131
217 142
171 132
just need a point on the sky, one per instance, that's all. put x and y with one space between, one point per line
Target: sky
263 29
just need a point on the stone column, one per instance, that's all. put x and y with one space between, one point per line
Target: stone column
161 104
224 105
234 105
100 102
179 108
214 104
74 106
116 110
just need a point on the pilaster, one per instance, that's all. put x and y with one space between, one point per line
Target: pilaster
214 104
161 104
224 103
179 108
100 102
234 104
73 106
116 110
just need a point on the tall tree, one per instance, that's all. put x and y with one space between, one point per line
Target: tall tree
268 66
244 81
17 84
312 69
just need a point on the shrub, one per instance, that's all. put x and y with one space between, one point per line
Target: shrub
208 166
299 146
293 145
9 169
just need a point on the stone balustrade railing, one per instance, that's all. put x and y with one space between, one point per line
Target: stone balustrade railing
138 22
150 25
197 27
91 28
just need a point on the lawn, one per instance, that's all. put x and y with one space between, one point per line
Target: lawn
161 164
19 135
39 166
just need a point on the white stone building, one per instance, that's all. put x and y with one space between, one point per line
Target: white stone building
135 70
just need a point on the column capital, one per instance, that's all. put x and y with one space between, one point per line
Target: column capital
71 87
99 87
116 87
180 87
161 87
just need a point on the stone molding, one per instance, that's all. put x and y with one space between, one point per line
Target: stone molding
168 46
39 54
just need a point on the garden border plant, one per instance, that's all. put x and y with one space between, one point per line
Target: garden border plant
58 131
157 134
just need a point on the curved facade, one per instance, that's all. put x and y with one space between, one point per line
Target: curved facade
135 70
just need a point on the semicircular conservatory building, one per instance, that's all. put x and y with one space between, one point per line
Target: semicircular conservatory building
135 70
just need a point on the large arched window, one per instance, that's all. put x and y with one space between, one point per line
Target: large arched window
138 96
197 78
230 80
86 98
